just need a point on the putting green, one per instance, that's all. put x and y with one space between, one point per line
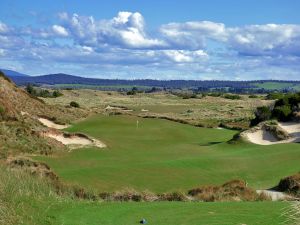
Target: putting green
163 156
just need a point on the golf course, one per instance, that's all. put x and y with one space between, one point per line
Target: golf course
162 156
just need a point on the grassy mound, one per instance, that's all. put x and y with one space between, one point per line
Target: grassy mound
290 184
164 156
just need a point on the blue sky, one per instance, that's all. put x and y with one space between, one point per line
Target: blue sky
215 39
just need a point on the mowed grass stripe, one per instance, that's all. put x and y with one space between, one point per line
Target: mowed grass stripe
175 213
163 156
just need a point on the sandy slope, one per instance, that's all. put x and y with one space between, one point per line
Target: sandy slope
263 137
275 195
51 124
78 140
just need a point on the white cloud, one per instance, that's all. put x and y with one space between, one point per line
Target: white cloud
196 49
182 56
268 39
126 30
193 34
60 31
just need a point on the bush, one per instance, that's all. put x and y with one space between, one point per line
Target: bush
262 113
282 113
30 89
290 184
174 196
56 94
274 96
42 92
74 104
232 97
253 96
2 113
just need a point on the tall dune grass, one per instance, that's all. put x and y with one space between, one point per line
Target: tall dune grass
20 197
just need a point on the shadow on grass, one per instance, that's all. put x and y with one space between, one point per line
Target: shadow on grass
211 143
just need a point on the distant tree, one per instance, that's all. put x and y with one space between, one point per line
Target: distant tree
30 89
253 96
133 91
74 104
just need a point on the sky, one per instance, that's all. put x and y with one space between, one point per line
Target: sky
138 39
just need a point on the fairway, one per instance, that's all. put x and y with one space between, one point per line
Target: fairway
163 156
175 213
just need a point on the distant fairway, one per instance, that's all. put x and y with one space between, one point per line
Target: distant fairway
175 213
277 85
164 156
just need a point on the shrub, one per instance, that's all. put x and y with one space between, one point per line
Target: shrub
290 184
74 104
174 196
133 91
127 195
233 97
2 112
262 113
235 190
274 96
30 89
253 96
215 94
282 113
56 94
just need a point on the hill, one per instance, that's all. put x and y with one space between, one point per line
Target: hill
19 113
12 73
61 80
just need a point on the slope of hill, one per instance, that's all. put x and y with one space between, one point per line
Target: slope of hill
19 113
60 78
12 73
65 80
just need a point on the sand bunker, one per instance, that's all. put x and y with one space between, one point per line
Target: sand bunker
274 195
51 124
77 140
264 137
73 140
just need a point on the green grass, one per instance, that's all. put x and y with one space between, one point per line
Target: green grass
29 200
277 85
164 156
175 213
87 86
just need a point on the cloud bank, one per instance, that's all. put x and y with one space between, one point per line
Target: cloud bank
123 47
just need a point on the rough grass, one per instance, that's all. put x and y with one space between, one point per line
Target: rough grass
20 198
29 200
209 111
164 156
